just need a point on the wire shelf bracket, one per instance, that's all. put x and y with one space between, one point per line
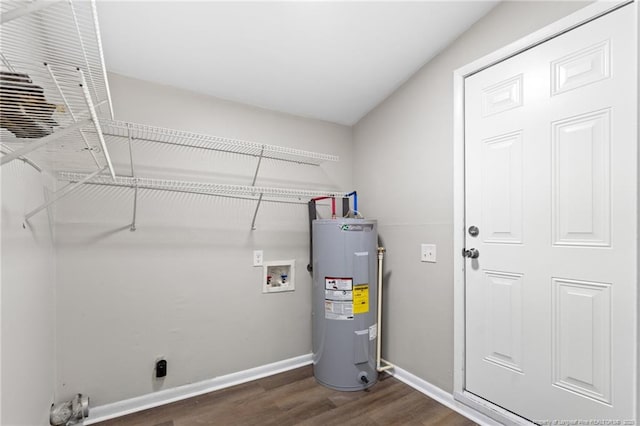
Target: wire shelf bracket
96 123
255 213
253 183
135 189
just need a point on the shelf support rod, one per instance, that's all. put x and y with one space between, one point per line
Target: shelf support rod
25 10
135 180
130 139
255 214
253 183
96 123
73 116
43 141
132 228
255 175
64 192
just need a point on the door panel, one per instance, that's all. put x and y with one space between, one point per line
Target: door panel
580 68
502 96
504 320
551 181
580 180
502 188
582 338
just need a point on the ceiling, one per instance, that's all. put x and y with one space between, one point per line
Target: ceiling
332 61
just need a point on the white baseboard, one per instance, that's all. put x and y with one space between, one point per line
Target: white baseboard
442 397
144 402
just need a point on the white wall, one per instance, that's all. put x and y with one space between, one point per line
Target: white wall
403 170
182 286
27 299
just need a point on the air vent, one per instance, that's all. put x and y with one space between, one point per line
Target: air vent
24 110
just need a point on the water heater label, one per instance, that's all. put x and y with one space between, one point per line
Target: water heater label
373 331
333 283
338 298
338 310
367 227
343 295
361 299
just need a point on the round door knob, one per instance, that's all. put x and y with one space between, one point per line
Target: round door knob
471 253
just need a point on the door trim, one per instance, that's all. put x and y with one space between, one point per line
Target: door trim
580 17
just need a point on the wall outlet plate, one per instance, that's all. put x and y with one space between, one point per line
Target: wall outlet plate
278 276
258 257
428 253
161 368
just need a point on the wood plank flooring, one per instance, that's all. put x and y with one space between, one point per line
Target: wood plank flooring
294 398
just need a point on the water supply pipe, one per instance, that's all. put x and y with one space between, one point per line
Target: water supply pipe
379 359
333 204
355 202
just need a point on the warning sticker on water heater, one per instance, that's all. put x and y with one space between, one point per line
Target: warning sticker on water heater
338 298
361 299
333 283
342 295
338 310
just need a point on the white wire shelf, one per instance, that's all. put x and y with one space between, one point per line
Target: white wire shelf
251 192
55 109
121 129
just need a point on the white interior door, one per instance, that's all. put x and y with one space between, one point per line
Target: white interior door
551 184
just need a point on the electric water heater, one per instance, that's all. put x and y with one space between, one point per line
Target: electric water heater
344 303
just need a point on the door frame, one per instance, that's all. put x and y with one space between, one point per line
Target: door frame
580 17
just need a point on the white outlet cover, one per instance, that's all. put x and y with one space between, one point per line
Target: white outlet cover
258 257
428 253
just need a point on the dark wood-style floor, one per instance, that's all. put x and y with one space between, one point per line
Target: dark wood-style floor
294 398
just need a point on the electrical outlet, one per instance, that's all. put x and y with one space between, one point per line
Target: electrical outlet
257 257
161 368
428 253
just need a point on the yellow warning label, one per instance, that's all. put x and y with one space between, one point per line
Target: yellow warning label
361 299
